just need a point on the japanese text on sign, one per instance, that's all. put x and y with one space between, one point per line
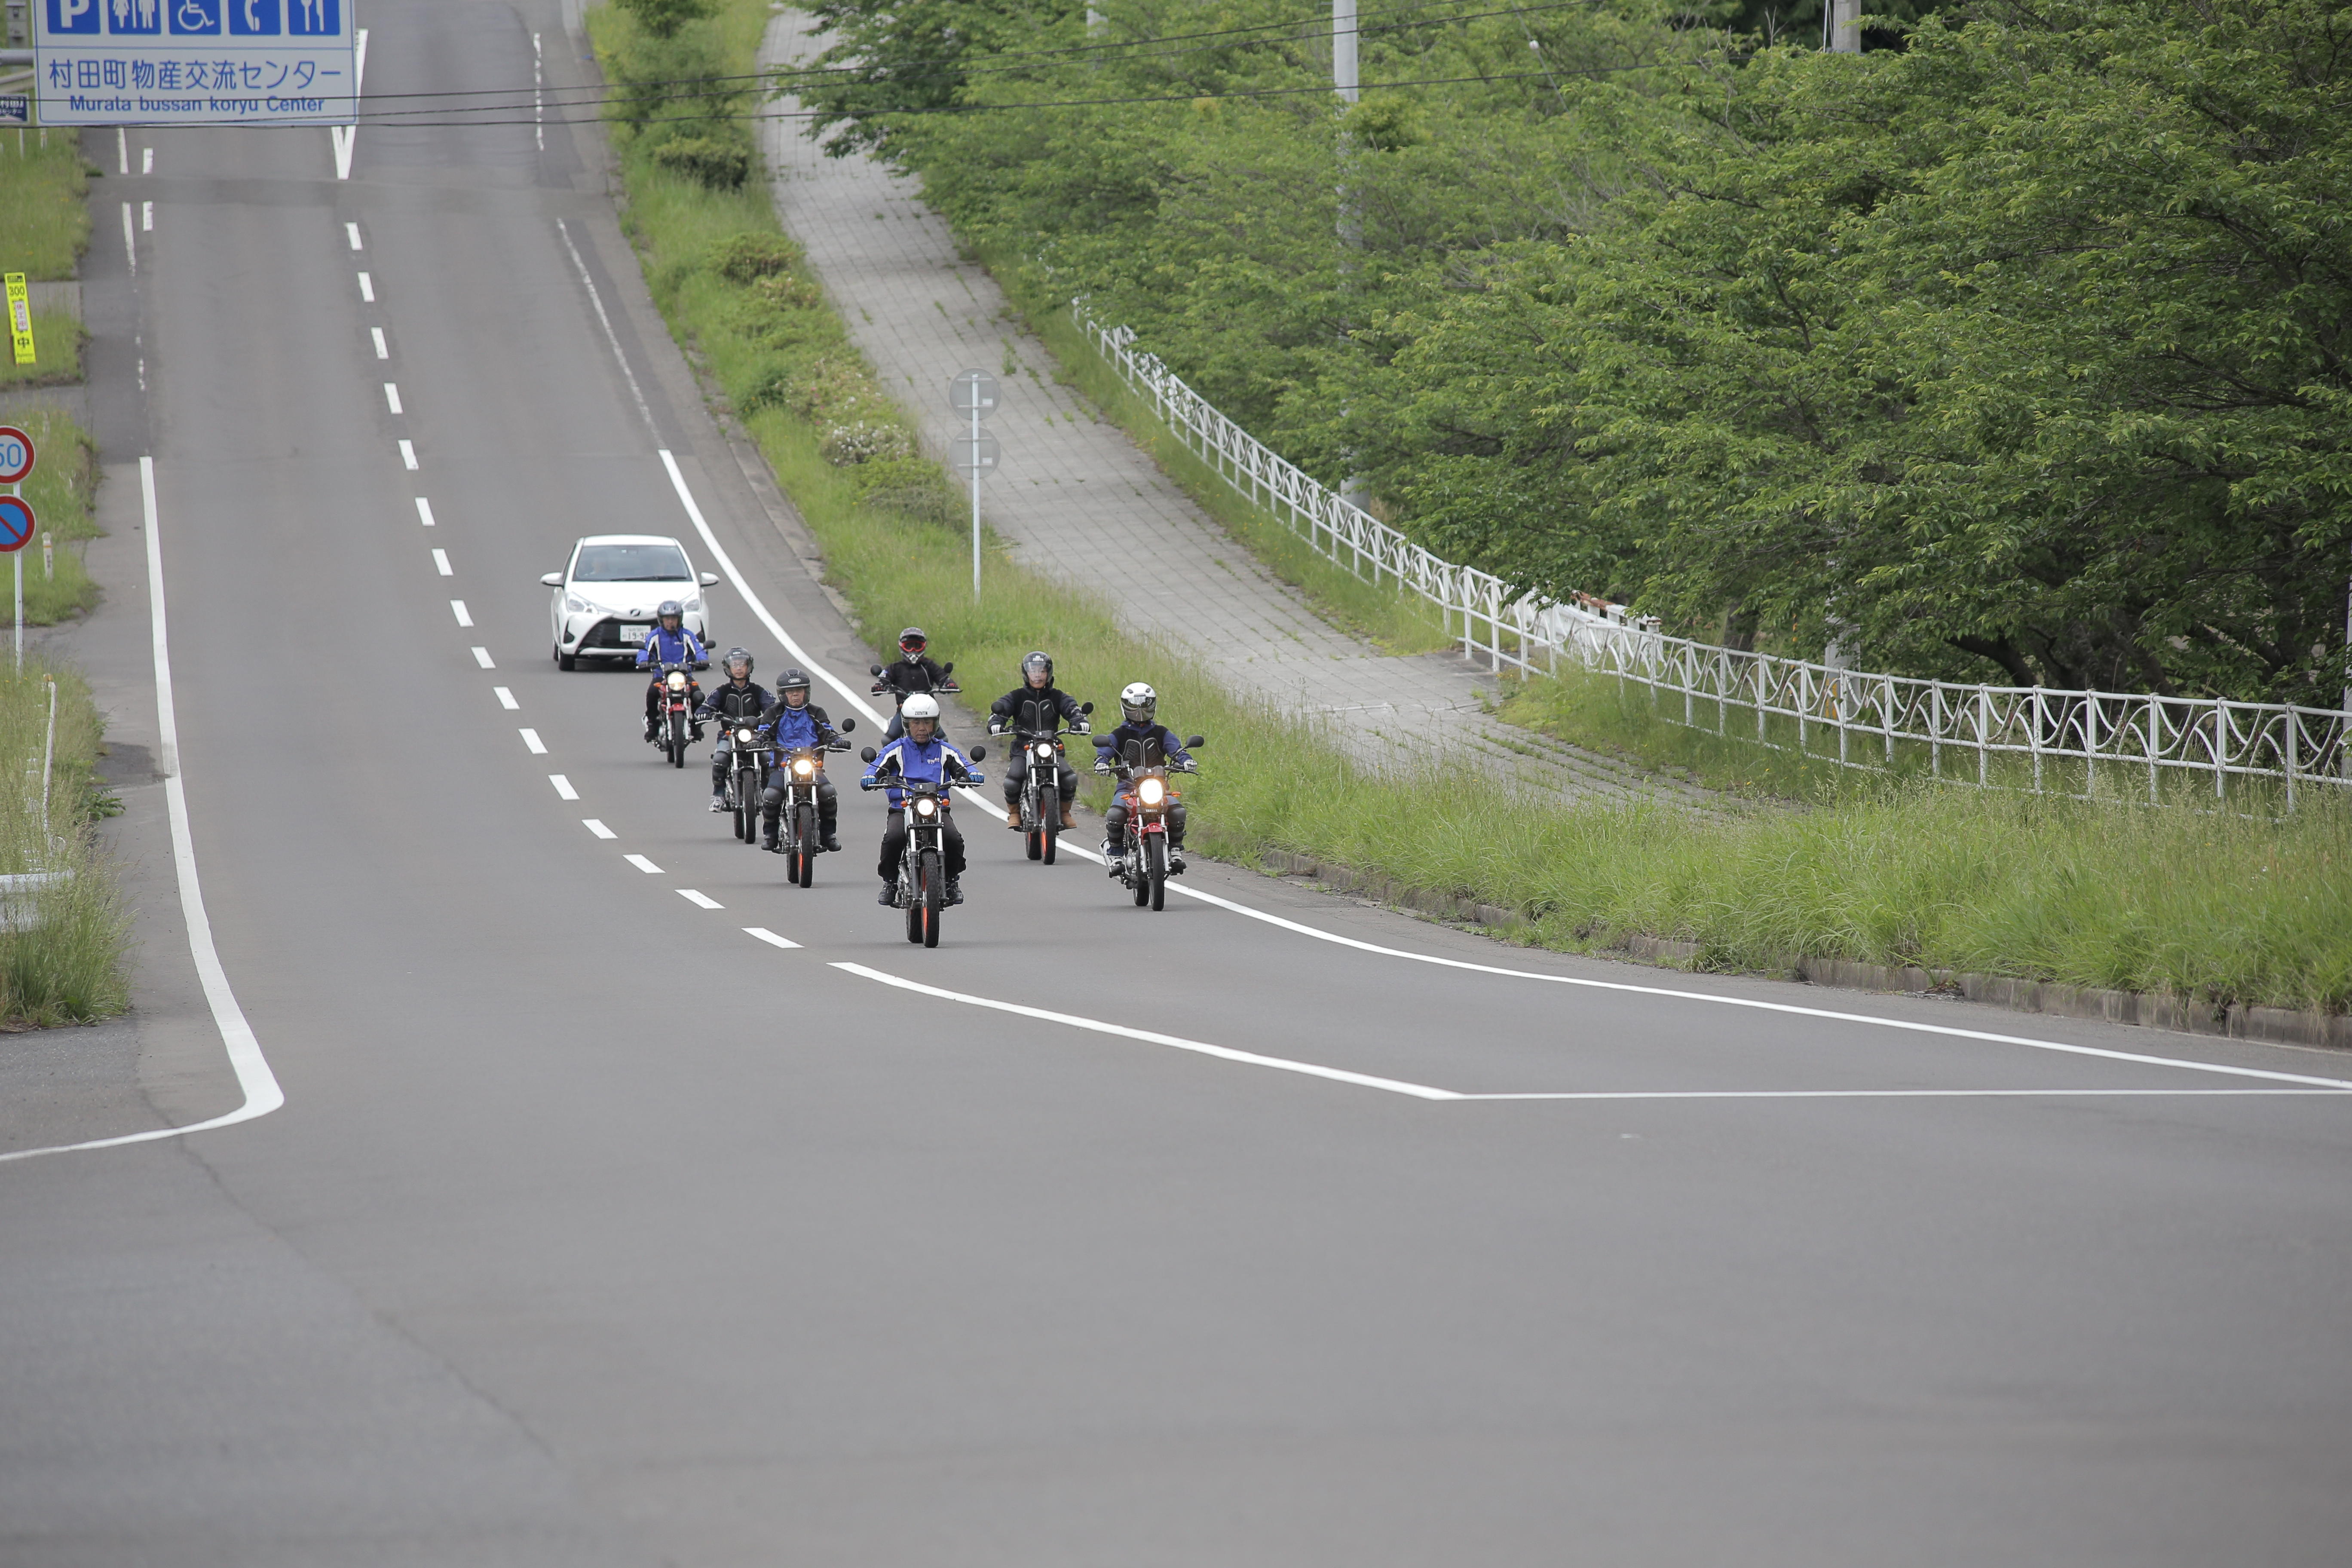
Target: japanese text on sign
195 62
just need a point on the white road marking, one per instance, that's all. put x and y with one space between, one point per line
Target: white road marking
441 563
1911 1094
383 349
699 900
531 739
605 322
1223 1053
408 454
258 1084
121 148
771 938
537 77
642 864
367 288
563 790
130 240
392 397
424 511
598 828
147 159
458 608
352 231
146 218
506 699
342 137
482 658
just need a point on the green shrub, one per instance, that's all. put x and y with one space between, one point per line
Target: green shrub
721 165
748 257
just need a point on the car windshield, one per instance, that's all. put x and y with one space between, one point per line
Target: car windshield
631 563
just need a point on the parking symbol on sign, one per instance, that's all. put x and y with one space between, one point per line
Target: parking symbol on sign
73 15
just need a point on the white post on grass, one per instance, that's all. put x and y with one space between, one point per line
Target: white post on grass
48 755
974 393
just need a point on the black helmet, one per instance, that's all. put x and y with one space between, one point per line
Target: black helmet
669 607
792 679
912 642
1033 663
736 655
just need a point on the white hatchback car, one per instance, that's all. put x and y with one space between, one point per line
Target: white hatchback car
605 599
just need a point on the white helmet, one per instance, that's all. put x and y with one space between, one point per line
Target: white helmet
921 705
1139 702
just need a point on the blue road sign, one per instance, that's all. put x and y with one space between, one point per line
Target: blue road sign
195 62
16 523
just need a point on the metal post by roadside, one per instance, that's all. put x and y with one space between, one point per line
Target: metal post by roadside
974 393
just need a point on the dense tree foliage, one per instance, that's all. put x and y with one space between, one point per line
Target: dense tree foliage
2015 352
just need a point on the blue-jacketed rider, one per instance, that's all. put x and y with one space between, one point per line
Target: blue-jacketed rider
793 723
739 697
920 753
668 642
1138 706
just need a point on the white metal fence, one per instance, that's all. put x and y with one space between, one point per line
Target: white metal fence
2108 742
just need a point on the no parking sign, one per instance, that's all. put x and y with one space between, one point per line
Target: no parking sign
16 523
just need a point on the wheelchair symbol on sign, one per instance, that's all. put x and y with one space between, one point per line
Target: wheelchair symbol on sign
192 18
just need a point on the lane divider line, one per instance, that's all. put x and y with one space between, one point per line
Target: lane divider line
1913 1094
424 511
1096 1026
642 864
367 288
563 790
146 218
383 349
458 608
441 563
531 739
352 232
597 827
771 938
392 396
699 900
254 1079
408 454
506 699
130 240
482 658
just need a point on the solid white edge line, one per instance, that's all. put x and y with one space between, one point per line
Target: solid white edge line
726 563
699 899
1223 1053
611 337
771 938
258 1084
1907 1094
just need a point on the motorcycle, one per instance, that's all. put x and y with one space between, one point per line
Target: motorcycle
947 686
747 755
1035 733
675 728
922 867
1143 857
798 837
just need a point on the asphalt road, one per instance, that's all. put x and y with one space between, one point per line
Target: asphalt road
595 1230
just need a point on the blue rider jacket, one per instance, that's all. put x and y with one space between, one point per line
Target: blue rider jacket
1111 746
791 727
934 759
663 646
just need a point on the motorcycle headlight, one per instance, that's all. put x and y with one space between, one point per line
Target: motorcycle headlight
1151 792
804 767
1044 753
677 680
925 807
743 737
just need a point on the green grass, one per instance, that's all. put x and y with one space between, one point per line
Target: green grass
1889 871
44 220
57 348
57 585
70 967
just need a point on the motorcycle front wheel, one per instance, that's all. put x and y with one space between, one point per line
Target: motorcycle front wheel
677 739
1139 878
931 896
1155 872
804 861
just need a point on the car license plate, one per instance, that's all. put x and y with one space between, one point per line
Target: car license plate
634 634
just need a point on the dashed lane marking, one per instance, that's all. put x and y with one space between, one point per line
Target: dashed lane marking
458 608
598 828
642 864
424 511
352 231
367 288
563 790
482 658
506 699
699 899
392 396
531 738
771 938
408 454
441 563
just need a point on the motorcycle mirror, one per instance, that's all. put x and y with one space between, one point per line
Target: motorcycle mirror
1196 741
847 725
866 755
947 669
874 669
1086 707
553 579
979 754
711 579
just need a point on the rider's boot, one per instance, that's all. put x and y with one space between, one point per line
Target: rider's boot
955 890
1111 859
1013 817
889 898
1175 860
1066 823
832 842
717 803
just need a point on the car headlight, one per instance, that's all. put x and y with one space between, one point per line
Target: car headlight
1151 792
925 807
693 606
804 767
573 604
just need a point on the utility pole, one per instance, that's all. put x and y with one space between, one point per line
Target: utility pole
1343 48
1845 27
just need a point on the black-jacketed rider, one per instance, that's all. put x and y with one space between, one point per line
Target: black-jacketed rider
912 672
1139 707
737 697
795 721
1036 686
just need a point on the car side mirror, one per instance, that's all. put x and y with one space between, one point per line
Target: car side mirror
1196 741
711 579
1086 707
979 754
553 579
866 755
848 725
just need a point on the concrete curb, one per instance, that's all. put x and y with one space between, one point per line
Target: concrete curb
2236 1021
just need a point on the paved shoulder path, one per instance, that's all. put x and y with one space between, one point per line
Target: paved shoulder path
1077 501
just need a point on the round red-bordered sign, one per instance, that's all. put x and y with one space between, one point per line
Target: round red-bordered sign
16 523
15 454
